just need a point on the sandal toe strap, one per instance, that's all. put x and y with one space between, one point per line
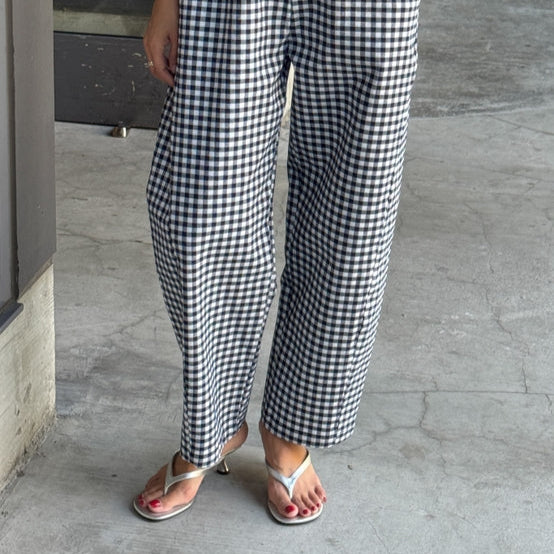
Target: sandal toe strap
171 479
290 482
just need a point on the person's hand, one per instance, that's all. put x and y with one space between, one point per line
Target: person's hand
160 40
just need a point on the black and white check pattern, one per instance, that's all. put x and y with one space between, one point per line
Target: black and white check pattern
210 202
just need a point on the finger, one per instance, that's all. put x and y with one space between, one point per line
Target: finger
147 49
158 67
163 75
158 64
173 54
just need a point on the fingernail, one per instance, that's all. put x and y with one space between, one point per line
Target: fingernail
154 503
289 509
305 512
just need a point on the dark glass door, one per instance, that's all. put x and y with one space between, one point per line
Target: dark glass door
100 72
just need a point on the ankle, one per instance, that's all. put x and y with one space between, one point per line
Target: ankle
180 465
237 440
282 455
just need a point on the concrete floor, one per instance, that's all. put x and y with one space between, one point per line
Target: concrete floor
454 449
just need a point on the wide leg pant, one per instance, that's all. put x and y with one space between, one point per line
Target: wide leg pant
210 203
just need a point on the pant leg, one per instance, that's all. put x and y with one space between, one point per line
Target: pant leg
354 68
210 203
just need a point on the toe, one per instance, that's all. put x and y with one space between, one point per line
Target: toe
288 509
280 499
315 501
305 506
156 505
163 504
177 496
148 496
320 492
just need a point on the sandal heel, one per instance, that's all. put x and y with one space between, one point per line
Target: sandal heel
223 467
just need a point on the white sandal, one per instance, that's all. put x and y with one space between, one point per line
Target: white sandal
289 483
220 466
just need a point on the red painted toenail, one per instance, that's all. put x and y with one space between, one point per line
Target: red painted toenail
305 512
154 503
289 509
141 502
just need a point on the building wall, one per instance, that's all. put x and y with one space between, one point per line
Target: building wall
34 136
27 229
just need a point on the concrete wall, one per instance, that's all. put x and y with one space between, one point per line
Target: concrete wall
27 392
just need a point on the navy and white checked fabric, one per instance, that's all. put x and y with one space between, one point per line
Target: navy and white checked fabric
210 202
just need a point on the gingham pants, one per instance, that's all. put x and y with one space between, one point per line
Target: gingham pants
210 204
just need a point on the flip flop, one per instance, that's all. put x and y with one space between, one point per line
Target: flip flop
170 479
289 483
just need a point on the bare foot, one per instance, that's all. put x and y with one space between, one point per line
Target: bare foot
182 492
286 457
